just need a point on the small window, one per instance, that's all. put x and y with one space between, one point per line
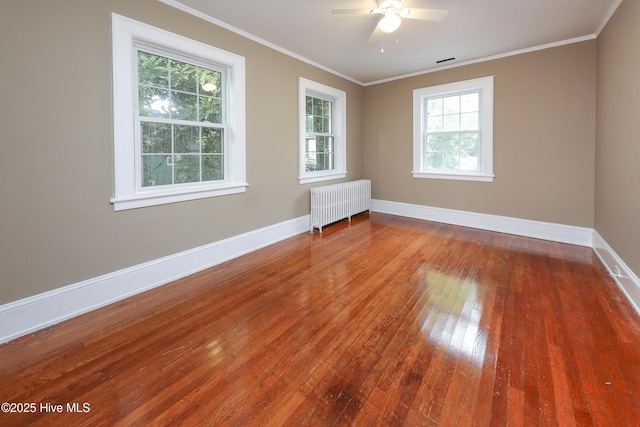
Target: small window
322 132
453 136
178 118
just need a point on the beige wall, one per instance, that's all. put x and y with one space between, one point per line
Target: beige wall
57 224
544 138
617 200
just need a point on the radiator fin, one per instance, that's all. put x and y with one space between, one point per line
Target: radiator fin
331 203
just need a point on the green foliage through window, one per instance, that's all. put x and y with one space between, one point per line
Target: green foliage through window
319 146
180 107
453 132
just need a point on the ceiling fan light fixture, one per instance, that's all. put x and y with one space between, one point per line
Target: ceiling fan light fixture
390 22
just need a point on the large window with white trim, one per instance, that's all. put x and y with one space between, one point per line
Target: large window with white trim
178 117
322 147
453 131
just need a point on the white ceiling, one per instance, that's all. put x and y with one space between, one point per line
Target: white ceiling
472 31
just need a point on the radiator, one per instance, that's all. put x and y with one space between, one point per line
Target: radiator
331 203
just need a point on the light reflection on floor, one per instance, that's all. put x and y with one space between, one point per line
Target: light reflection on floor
460 305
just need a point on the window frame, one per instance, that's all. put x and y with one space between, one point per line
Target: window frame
339 129
128 36
485 158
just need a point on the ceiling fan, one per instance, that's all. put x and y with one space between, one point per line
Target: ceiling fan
393 12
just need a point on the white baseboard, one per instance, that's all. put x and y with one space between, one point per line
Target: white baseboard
522 227
24 316
624 277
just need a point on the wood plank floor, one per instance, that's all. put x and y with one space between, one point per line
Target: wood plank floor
384 321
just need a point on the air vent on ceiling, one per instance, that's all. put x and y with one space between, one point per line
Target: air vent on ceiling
444 60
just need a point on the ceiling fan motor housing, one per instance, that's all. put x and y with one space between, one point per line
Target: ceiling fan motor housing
386 4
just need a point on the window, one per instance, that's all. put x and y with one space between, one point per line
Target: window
322 132
453 131
319 138
179 125
179 120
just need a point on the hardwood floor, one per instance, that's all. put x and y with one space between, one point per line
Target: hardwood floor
386 321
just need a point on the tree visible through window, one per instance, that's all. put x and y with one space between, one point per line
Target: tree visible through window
180 121
179 130
453 131
319 148
322 147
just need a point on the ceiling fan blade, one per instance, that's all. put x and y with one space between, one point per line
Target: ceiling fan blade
352 11
425 14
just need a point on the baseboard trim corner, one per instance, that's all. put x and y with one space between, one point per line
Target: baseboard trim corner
33 313
624 277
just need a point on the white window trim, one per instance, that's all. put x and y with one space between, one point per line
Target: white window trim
339 117
485 85
126 33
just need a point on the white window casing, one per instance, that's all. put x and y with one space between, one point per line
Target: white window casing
338 99
128 36
484 170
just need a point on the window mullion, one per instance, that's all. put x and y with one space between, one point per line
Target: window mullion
181 122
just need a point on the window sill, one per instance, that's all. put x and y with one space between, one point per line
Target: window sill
161 197
321 177
455 176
